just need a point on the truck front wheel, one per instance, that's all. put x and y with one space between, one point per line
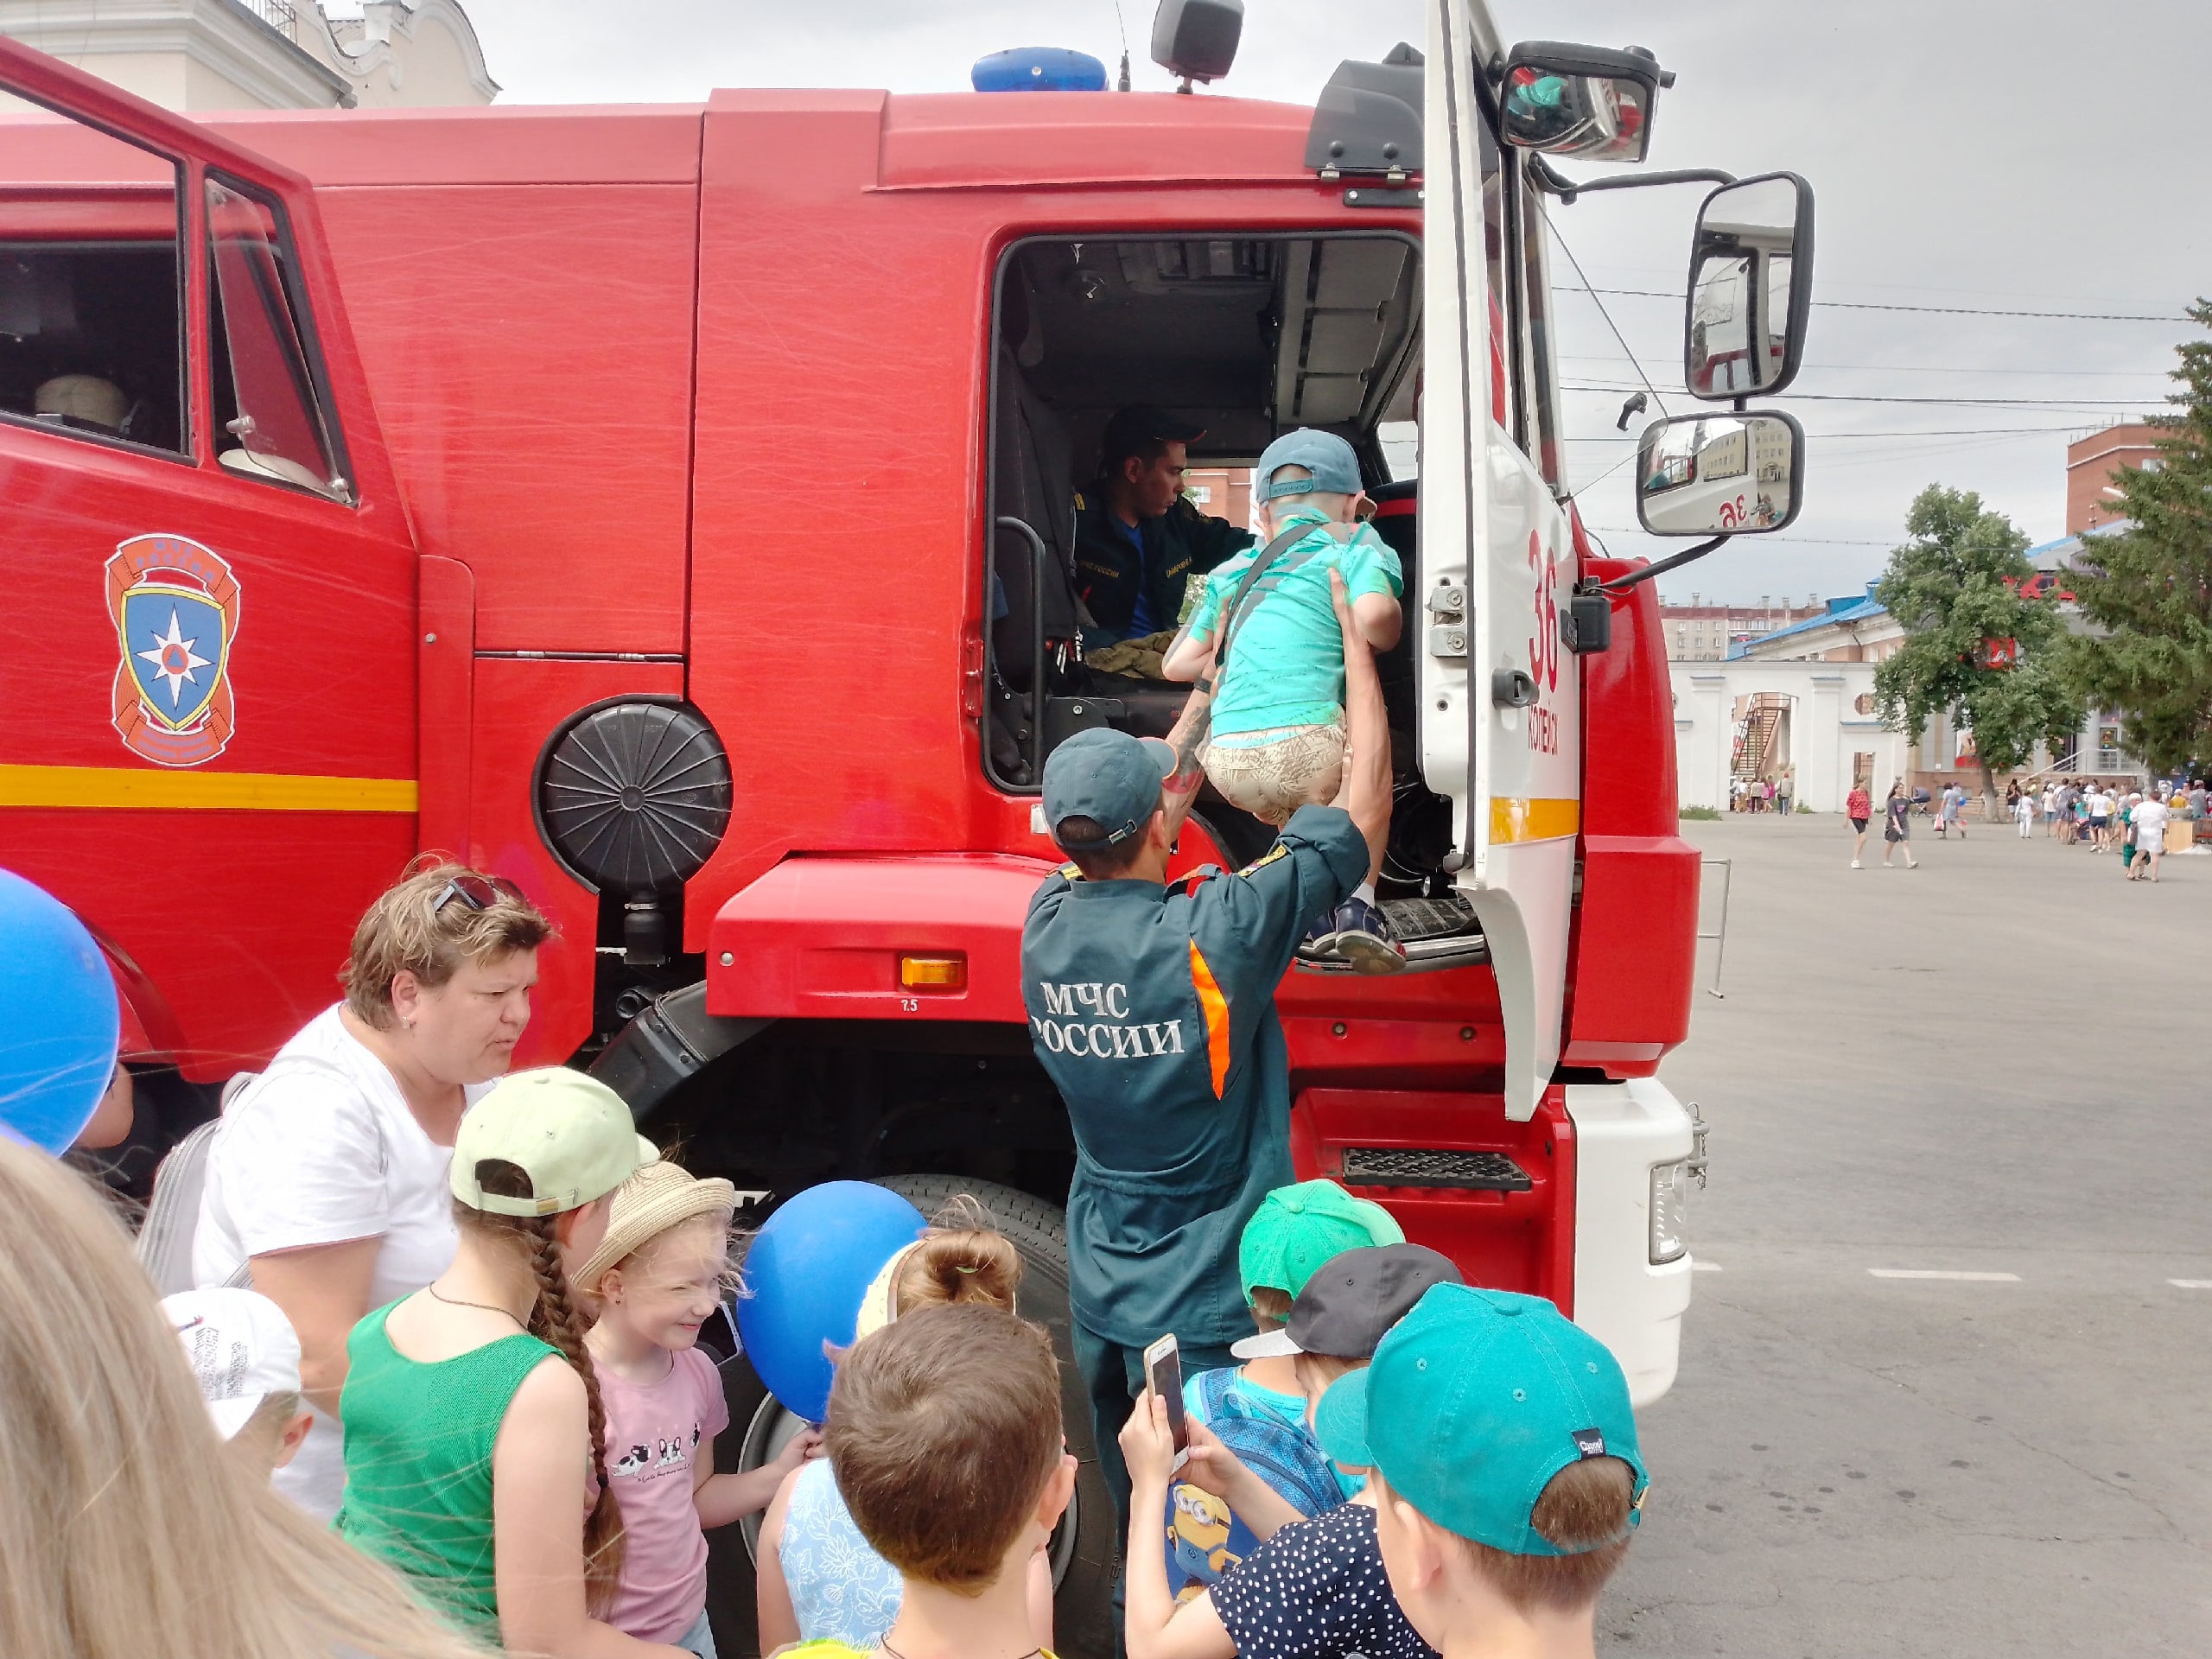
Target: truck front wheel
1085 1553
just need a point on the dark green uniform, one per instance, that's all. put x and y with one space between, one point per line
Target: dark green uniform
1179 544
1152 1010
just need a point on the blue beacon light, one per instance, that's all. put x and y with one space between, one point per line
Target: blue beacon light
1039 69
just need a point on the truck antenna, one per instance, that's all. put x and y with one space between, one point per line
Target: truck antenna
1122 84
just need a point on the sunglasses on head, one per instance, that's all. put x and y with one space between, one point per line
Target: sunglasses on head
477 892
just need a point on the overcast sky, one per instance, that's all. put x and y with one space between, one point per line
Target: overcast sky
1978 155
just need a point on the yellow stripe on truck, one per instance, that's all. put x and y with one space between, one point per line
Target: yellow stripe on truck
1522 818
128 787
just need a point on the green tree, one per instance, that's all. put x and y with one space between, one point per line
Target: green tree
2148 588
1952 585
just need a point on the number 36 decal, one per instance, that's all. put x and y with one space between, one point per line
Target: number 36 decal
1543 645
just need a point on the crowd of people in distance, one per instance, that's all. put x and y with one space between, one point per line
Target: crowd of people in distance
443 1326
2104 816
1776 794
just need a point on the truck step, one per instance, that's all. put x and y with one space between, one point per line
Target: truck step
1474 1171
1417 920
1436 933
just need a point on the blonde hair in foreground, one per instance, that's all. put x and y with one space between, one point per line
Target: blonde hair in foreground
127 1527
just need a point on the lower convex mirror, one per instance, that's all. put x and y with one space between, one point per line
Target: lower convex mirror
1714 475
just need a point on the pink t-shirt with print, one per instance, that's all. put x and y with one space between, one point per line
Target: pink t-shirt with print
654 1436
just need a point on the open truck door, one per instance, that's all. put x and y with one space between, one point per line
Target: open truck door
221 682
1501 713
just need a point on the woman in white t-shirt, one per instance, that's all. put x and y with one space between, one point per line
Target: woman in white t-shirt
326 1184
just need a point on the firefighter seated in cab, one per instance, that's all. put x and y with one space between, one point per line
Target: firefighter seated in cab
1139 540
1151 1006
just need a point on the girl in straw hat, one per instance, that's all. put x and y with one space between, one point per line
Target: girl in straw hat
658 1276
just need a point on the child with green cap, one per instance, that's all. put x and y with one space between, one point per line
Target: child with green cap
1505 1468
1261 1411
1294 1231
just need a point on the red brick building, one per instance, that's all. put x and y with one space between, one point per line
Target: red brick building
1221 492
2090 463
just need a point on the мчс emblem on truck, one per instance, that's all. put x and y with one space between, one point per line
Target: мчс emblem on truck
175 609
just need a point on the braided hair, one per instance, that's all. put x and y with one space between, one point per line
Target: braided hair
554 1318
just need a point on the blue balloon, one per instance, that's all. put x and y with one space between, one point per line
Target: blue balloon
809 1267
59 1023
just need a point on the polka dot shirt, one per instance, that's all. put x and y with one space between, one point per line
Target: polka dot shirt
1316 1590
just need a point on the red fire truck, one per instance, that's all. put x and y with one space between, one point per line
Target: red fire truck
669 508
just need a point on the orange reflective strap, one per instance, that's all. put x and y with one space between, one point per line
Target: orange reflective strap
1215 1007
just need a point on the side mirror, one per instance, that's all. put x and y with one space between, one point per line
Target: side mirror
1196 40
1579 100
1720 474
1750 287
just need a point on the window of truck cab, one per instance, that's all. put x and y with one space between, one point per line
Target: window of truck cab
1248 335
91 288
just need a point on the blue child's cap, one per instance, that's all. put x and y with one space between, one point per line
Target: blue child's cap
1334 467
1109 776
1475 1400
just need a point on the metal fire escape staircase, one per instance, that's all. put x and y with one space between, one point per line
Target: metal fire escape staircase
1755 735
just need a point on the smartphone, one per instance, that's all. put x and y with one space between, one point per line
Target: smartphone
1163 1370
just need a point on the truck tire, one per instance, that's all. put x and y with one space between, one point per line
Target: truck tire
1086 1551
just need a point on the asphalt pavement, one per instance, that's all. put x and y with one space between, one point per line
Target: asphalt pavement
1947 1373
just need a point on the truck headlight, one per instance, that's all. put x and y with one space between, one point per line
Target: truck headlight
1670 1191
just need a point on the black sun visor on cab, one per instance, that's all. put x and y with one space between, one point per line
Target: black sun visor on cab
1369 118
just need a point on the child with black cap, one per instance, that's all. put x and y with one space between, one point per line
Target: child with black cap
1316 1587
1505 1468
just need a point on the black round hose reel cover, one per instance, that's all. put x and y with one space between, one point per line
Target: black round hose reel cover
635 796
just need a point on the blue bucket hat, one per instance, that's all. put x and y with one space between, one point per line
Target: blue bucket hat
1475 1400
1334 467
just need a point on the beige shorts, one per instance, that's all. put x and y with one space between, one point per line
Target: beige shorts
1294 766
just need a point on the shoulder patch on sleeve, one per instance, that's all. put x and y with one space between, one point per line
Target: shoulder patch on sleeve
1191 880
1069 873
1281 850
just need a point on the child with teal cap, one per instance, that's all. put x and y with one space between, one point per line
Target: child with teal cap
1506 1470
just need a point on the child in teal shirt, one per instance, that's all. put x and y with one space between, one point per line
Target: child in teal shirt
1277 738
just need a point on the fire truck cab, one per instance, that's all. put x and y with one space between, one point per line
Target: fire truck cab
671 509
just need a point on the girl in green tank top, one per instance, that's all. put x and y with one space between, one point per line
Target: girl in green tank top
418 1488
474 1434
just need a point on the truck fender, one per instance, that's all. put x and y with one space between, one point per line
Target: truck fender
671 1042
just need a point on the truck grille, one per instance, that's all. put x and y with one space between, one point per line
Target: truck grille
1477 1171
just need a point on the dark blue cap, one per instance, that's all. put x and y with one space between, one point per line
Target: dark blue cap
1109 776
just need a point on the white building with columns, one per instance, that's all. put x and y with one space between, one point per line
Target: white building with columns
1821 721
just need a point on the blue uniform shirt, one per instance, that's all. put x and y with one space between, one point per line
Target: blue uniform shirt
1153 1011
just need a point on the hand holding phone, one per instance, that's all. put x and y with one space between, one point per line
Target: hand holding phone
1163 1370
